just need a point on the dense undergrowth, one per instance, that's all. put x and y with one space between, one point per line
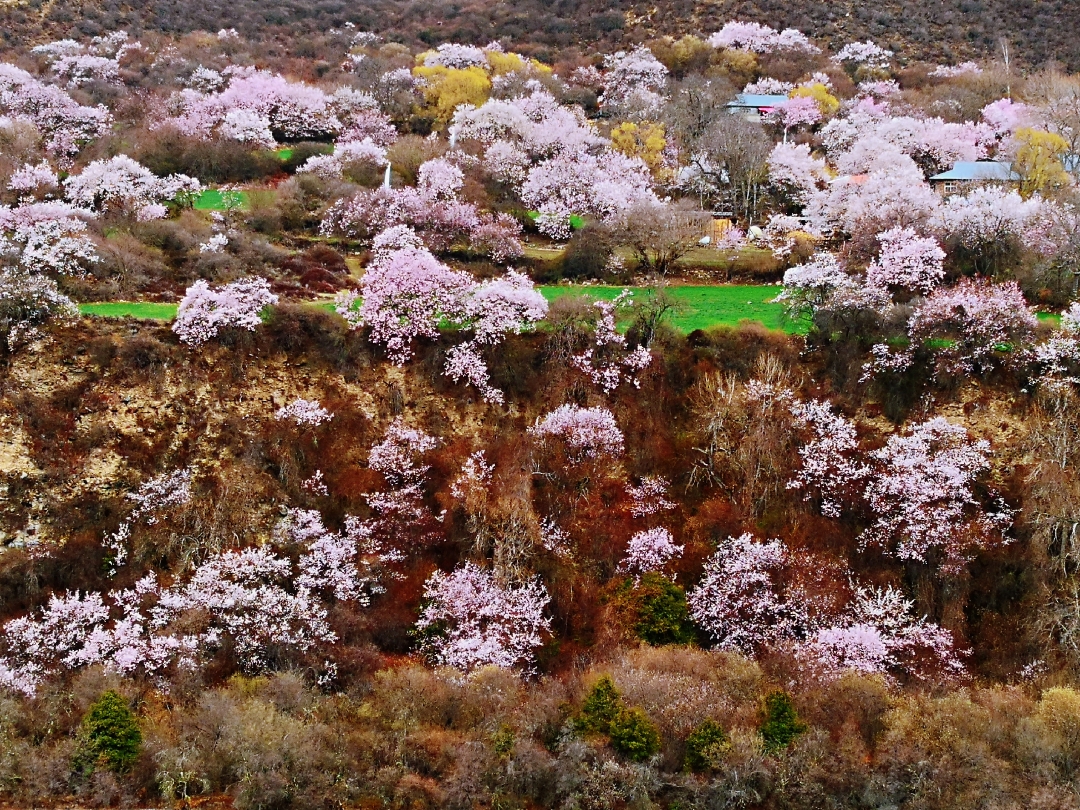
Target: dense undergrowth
102 406
349 499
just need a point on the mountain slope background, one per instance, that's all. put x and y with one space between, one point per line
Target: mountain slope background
1038 31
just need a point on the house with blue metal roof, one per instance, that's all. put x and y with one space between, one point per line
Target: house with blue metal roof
754 105
966 174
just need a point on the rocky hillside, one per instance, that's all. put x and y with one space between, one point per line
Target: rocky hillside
1038 32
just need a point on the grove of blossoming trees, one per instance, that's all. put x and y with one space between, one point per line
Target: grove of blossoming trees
403 478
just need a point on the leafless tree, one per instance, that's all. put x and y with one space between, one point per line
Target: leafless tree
660 235
733 157
695 105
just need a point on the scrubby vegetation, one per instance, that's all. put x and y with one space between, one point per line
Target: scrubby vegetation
495 427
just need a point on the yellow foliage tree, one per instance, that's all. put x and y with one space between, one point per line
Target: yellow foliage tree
1038 161
446 88
504 62
646 141
738 66
827 103
684 55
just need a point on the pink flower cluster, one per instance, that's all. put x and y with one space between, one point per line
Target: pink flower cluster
795 171
535 125
400 506
46 237
922 496
160 493
880 635
304 412
204 311
589 433
987 214
801 111
408 293
650 551
634 82
650 497
601 185
65 124
608 363
262 103
863 53
27 302
472 621
737 601
455 56
120 184
761 39
885 189
31 178
347 565
345 153
829 469
432 209
952 71
977 317
907 260
78 64
239 598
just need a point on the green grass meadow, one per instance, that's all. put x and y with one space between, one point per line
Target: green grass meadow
214 199
699 307
145 310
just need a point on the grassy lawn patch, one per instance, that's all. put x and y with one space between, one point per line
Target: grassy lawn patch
214 199
701 307
130 309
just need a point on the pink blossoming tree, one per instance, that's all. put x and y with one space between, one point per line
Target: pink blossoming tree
304 412
471 621
204 312
761 39
880 635
650 551
737 601
830 469
907 261
923 499
122 185
588 433
65 125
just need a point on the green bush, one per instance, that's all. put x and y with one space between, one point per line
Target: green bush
780 723
633 735
110 735
662 616
704 747
601 708
502 741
